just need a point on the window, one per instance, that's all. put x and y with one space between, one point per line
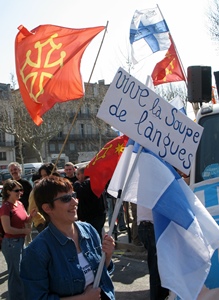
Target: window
52 147
207 157
82 129
60 134
86 110
2 137
60 146
3 156
96 109
94 130
89 129
72 146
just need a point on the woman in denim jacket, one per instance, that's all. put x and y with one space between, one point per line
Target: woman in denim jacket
62 261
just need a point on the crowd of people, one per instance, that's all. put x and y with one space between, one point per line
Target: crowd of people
69 219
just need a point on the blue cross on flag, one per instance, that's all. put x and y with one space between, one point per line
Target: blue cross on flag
148 33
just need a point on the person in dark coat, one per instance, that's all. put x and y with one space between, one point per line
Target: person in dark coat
91 209
15 170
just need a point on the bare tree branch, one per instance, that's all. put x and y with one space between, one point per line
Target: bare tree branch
213 18
16 120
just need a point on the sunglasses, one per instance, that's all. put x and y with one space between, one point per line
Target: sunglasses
18 190
66 198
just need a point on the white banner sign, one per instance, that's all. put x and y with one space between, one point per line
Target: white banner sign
145 117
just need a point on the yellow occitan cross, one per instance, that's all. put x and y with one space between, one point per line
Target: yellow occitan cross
168 70
28 62
103 154
118 149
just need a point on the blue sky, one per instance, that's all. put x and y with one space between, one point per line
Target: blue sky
186 24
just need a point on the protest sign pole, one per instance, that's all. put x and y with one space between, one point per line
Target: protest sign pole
118 204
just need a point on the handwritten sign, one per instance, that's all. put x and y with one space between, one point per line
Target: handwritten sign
145 117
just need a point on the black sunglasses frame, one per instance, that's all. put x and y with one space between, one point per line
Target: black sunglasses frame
66 198
18 190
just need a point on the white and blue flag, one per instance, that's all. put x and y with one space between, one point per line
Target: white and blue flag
178 103
117 183
186 234
149 33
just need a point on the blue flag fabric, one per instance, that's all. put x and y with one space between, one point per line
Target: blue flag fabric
148 33
186 234
208 192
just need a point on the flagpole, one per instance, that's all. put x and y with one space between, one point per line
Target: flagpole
179 58
80 102
101 44
118 204
180 61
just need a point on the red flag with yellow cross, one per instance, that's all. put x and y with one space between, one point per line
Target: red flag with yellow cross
168 69
101 167
48 62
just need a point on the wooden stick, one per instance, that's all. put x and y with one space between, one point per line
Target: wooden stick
80 102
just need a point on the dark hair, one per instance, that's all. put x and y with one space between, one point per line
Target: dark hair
9 185
56 174
48 167
35 176
47 189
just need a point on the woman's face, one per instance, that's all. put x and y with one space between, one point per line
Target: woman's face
65 208
43 173
16 193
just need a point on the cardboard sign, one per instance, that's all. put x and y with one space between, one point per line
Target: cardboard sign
145 117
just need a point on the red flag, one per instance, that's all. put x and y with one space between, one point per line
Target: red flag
213 100
48 65
102 166
168 69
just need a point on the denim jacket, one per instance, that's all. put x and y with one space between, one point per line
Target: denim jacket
50 268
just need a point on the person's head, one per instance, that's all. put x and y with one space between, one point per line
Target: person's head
35 177
15 170
80 174
11 189
55 199
46 169
69 169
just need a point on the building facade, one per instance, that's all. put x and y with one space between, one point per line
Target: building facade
7 141
79 139
87 134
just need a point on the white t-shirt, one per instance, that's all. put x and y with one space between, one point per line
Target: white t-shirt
144 214
88 273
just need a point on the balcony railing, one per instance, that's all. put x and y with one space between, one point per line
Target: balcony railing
6 144
81 116
74 137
